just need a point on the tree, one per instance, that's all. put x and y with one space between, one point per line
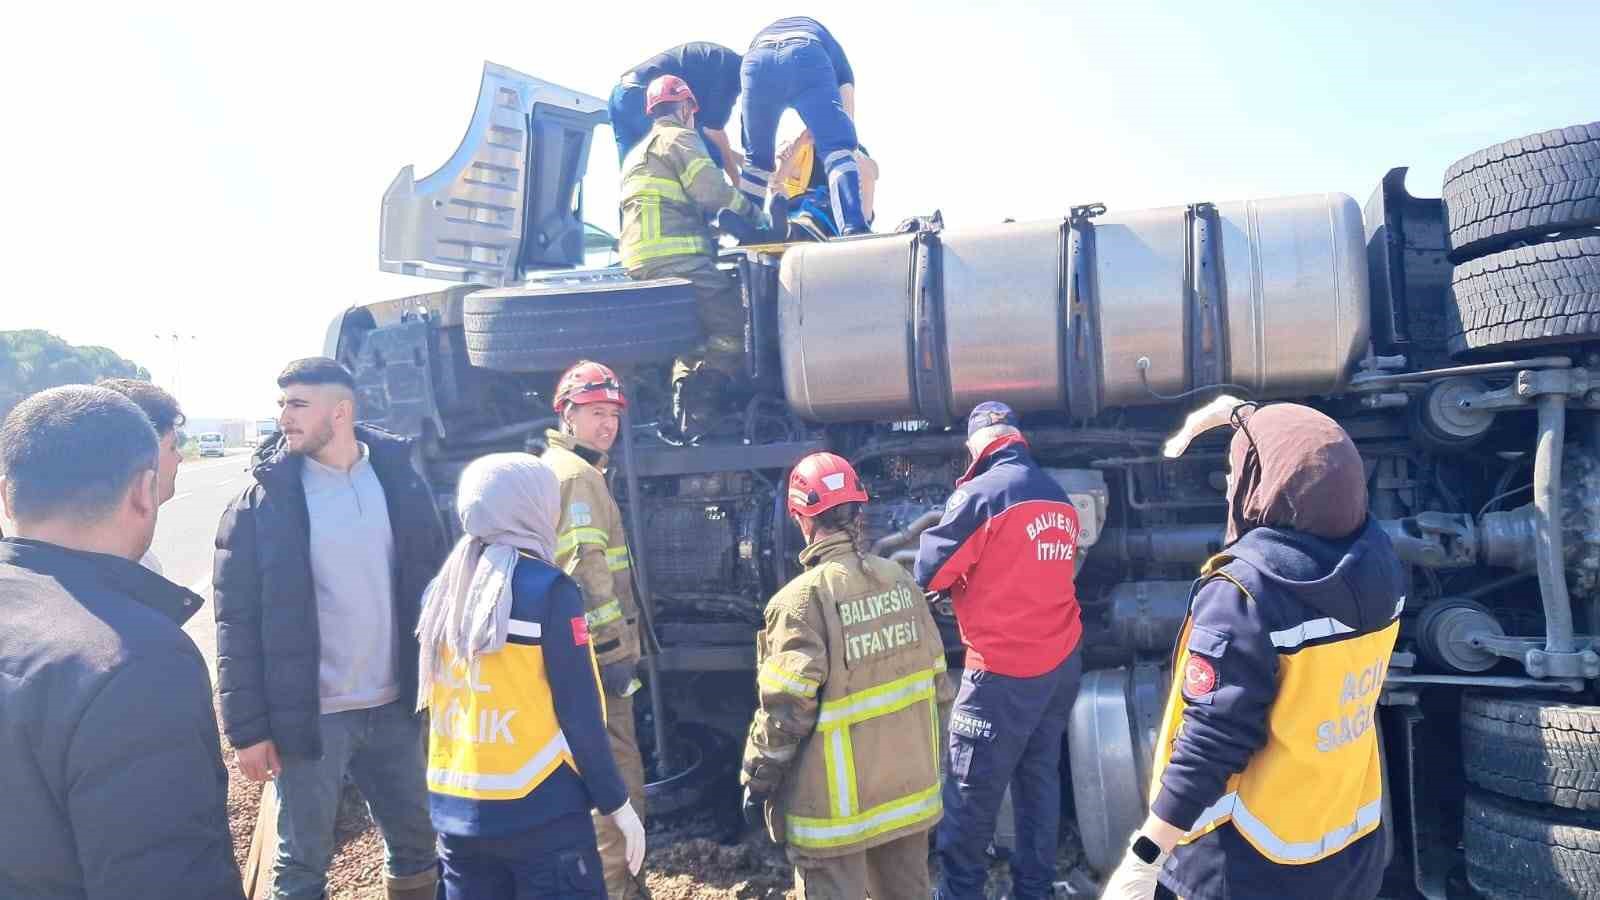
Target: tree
33 360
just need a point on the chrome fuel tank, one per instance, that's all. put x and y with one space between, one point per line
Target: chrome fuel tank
1268 294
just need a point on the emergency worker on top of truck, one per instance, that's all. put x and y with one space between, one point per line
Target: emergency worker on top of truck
670 190
1005 550
592 547
843 754
1267 780
712 73
517 750
804 181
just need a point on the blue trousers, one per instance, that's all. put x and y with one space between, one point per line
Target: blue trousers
629 124
796 74
555 861
382 751
1004 731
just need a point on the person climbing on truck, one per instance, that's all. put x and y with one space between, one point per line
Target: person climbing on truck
517 751
1004 549
796 63
592 547
1267 779
670 190
803 181
712 73
842 757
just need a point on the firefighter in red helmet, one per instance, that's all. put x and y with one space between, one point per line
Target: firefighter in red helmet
592 547
842 759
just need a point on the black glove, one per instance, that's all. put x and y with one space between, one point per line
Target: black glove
616 676
755 806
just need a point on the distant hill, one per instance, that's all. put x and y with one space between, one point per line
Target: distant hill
33 360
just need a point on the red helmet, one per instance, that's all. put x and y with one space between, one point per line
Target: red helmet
668 89
588 382
822 481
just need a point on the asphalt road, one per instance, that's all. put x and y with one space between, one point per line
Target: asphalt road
186 529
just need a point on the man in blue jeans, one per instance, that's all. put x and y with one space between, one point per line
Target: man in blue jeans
320 568
795 63
1005 550
712 73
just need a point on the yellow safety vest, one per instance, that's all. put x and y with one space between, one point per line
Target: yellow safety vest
1317 785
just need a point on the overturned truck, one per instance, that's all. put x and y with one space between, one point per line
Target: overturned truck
1457 340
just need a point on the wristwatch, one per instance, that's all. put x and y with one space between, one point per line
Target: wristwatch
1145 849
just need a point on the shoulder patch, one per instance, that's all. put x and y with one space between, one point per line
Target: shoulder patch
579 514
956 499
580 631
1199 679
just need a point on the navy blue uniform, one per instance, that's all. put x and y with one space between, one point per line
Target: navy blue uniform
541 843
1275 777
797 64
710 70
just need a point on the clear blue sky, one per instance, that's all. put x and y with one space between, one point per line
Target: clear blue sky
216 169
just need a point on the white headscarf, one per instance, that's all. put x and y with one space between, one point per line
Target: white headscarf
507 502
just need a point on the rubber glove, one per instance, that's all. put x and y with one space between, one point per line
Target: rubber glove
627 822
1134 879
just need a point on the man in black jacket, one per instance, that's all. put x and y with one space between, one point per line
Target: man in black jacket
110 768
320 569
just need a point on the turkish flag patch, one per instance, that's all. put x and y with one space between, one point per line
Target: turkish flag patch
580 630
1199 678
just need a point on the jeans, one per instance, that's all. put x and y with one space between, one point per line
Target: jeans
1005 730
382 751
797 74
629 124
558 860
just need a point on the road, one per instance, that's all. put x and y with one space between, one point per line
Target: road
186 529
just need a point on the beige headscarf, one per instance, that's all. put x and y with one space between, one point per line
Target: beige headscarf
507 502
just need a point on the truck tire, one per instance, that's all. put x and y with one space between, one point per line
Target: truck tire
1538 750
549 327
1539 184
1543 294
1521 851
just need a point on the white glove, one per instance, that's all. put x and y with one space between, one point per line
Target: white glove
627 821
1134 879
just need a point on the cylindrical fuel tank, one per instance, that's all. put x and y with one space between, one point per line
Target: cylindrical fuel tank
1058 314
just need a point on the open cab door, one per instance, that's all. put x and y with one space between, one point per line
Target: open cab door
509 200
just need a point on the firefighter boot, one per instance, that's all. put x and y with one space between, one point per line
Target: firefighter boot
698 398
420 886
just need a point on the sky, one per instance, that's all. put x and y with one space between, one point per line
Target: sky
214 170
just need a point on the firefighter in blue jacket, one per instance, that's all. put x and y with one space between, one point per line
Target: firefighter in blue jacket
1005 549
518 752
1267 781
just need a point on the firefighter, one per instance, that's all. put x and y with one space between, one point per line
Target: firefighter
592 547
1267 780
517 750
670 189
796 63
1005 550
712 73
843 757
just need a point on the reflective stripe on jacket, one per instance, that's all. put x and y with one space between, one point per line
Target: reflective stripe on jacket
1270 727
670 188
850 668
592 546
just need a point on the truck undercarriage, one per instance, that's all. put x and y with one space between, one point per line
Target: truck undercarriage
1463 356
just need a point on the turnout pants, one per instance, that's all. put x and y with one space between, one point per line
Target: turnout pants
557 860
1005 731
897 870
717 305
625 748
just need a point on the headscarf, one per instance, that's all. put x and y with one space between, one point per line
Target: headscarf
1293 467
507 502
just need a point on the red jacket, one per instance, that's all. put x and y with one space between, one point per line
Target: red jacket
1005 550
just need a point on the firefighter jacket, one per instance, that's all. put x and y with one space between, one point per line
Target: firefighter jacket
1004 550
592 546
845 742
670 189
518 739
1268 753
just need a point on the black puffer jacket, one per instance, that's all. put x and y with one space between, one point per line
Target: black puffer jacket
110 771
268 645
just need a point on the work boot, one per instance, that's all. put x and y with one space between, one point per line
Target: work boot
698 398
421 886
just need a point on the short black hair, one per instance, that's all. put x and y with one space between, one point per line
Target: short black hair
316 370
160 407
71 452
